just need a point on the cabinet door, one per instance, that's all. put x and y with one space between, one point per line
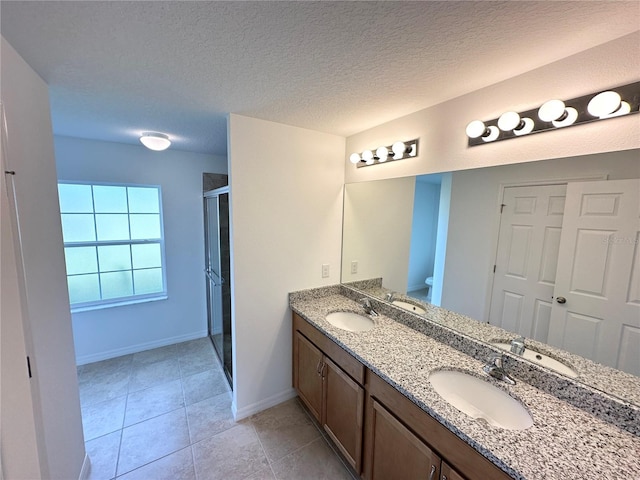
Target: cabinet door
449 473
397 453
307 379
343 412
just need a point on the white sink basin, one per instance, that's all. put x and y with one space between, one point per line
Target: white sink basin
480 399
409 306
353 322
541 359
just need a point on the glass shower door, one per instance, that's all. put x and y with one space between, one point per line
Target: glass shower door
217 269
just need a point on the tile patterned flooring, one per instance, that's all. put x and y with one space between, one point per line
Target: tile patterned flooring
166 414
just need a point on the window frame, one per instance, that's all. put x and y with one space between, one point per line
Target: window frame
129 299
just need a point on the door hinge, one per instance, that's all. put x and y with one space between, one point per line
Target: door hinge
29 366
502 205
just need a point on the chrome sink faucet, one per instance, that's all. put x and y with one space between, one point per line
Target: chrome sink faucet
517 346
368 308
495 368
390 297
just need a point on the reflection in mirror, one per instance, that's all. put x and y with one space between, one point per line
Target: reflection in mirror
435 240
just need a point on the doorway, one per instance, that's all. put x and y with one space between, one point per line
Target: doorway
217 274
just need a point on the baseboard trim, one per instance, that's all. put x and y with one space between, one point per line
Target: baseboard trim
268 402
85 471
139 347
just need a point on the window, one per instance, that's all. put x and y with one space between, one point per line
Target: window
113 244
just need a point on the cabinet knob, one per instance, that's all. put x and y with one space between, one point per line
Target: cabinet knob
433 471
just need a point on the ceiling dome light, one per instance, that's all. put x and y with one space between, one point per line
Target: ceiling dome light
604 104
354 158
155 141
382 153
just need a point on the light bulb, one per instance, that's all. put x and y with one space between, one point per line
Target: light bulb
367 155
354 158
552 110
398 149
476 129
525 127
493 134
382 153
509 121
604 104
570 117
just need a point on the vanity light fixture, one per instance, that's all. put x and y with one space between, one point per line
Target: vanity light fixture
556 113
397 151
155 141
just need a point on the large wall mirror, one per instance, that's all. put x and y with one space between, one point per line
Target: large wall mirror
566 252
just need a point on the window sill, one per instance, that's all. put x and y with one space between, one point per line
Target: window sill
120 303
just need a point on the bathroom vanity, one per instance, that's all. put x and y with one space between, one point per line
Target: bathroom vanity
370 391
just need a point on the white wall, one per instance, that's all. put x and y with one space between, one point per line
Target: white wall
441 128
53 411
115 331
474 219
375 225
286 212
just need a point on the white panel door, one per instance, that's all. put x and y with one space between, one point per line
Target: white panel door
528 242
596 312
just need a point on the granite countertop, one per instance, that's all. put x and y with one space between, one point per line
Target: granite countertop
565 442
624 386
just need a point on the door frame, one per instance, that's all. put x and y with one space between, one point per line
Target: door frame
498 217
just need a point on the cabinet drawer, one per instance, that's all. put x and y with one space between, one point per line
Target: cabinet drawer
339 356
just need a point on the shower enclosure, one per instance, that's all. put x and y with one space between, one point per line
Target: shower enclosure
217 270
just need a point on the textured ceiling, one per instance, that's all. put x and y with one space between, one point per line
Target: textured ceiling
118 68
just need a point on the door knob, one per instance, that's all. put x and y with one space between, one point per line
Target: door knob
561 300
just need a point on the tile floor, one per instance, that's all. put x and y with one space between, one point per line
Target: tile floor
166 414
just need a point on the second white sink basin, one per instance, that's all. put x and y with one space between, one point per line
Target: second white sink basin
409 306
350 321
480 399
541 359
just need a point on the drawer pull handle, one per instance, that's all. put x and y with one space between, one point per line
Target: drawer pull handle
318 368
433 470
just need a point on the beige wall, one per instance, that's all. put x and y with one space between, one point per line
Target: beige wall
375 226
286 216
441 128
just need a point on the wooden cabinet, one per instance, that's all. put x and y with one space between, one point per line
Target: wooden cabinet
454 452
392 438
309 379
333 397
448 473
397 454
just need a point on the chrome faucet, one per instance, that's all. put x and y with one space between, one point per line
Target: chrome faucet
390 297
517 346
495 368
368 308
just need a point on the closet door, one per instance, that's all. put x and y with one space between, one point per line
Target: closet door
596 308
